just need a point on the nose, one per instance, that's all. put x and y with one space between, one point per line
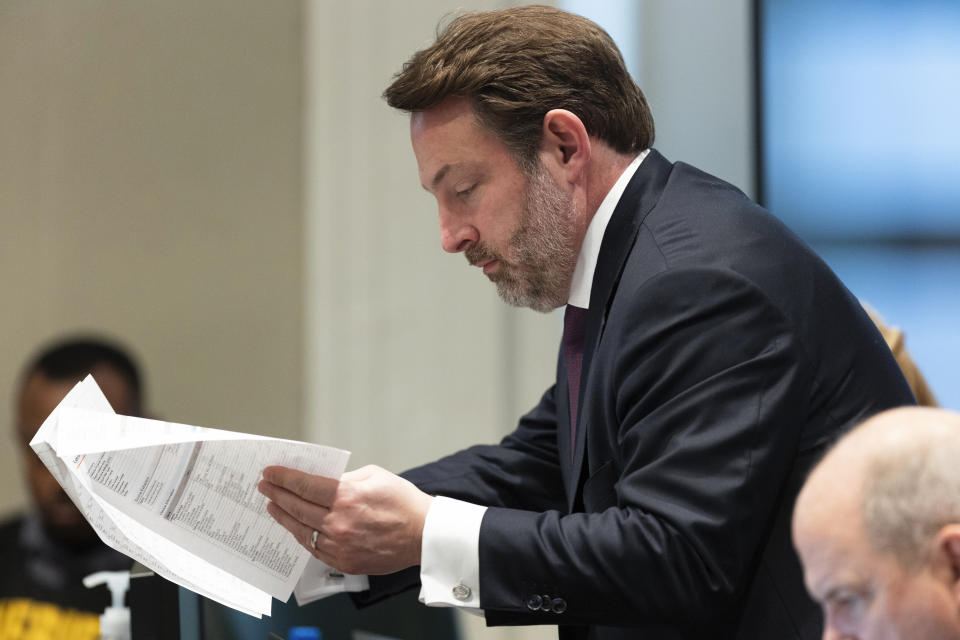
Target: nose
456 234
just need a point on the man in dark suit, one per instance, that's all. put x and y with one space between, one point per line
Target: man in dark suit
708 358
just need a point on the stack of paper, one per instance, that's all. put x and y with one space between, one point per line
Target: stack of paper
183 500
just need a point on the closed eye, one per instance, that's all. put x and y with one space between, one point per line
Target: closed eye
845 608
464 193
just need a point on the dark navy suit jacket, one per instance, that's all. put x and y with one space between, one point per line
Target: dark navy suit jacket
722 356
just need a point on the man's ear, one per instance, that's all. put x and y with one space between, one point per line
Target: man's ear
948 542
565 144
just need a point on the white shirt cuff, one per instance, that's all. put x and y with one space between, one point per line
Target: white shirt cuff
319 581
450 555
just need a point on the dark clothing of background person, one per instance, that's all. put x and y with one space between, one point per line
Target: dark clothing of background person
38 568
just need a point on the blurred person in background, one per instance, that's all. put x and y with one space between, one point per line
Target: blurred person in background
46 551
877 526
896 339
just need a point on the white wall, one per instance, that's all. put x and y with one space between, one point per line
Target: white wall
696 68
693 60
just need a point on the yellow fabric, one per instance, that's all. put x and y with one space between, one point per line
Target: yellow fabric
23 619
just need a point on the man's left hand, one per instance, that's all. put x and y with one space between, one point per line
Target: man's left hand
368 522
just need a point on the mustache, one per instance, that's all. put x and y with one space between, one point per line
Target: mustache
479 253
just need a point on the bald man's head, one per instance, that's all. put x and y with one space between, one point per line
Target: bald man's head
901 471
877 526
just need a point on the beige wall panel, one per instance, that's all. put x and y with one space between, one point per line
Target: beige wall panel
150 188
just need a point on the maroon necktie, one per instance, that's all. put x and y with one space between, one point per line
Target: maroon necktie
574 328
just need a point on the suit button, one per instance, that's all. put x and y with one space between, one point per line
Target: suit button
545 603
559 605
461 592
534 602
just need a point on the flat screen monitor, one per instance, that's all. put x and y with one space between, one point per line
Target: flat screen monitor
859 111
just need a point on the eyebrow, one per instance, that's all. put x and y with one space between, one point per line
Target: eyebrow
438 177
462 166
441 174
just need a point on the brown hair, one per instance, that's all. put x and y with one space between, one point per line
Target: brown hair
515 65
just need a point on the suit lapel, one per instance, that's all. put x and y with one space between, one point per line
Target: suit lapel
642 193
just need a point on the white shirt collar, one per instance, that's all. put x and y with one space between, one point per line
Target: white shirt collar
590 249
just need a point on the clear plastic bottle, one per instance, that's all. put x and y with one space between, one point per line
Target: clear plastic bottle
115 621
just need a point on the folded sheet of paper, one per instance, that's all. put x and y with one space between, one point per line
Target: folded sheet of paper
183 500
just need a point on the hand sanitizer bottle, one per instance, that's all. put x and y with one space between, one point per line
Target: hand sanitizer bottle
115 621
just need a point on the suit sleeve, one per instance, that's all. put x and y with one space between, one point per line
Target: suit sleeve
520 473
700 387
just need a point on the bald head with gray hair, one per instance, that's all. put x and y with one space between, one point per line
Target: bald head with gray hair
877 527
904 466
911 483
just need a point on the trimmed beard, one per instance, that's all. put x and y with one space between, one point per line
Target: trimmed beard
542 247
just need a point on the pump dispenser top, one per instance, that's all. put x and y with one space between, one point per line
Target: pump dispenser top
115 621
